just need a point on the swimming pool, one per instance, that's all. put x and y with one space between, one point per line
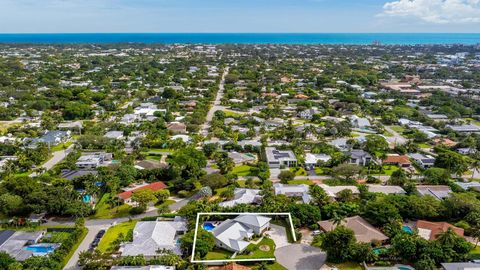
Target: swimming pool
42 249
207 226
87 198
407 229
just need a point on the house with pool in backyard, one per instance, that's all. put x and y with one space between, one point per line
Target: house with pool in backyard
22 245
247 236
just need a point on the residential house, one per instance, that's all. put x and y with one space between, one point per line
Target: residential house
341 144
233 234
311 160
464 128
359 157
461 266
332 191
126 195
299 191
280 158
231 266
437 191
469 185
386 189
147 267
177 128
364 231
114 135
398 160
151 237
359 122
50 138
243 196
72 174
92 160
430 230
14 242
425 161
307 114
241 158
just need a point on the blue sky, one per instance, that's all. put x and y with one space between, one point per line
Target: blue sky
62 16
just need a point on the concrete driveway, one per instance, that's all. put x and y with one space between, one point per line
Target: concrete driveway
300 257
279 235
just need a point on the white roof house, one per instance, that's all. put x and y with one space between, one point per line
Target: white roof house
114 134
333 190
293 191
386 189
151 236
277 158
360 122
232 234
243 196
312 159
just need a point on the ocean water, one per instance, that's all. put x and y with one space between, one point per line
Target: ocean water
247 38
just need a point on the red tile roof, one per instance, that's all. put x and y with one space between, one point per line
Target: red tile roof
156 186
397 160
437 228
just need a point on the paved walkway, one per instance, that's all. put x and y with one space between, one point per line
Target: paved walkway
300 257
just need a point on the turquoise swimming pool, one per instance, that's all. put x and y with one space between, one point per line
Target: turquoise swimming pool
42 249
407 229
207 226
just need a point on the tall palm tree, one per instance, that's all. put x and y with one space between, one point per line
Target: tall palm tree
447 238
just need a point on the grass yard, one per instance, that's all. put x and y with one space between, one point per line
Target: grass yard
165 203
319 171
387 134
153 157
387 170
104 211
260 254
424 145
218 254
398 129
475 253
276 266
61 146
112 234
299 172
232 114
166 150
242 183
300 182
348 266
242 170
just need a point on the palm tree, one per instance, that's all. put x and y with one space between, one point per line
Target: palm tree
447 238
337 219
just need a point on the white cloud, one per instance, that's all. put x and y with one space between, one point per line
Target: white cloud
435 11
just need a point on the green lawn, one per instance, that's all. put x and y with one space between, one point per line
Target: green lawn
242 170
319 171
299 182
424 145
276 266
387 170
165 203
387 134
398 129
112 234
348 266
61 146
167 150
299 172
259 254
232 114
153 157
218 254
242 183
104 211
